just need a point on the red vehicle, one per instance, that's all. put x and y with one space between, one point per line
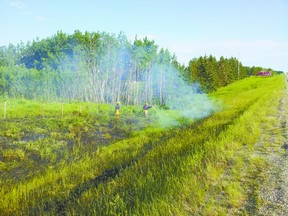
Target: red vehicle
264 73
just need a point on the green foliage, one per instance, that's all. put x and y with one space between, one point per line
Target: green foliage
12 155
13 133
105 68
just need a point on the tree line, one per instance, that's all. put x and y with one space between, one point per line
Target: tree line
106 68
212 74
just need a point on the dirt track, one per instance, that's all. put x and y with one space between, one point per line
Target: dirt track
270 195
263 174
274 190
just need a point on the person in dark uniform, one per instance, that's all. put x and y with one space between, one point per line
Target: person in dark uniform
117 110
145 109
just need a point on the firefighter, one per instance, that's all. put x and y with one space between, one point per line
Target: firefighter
145 109
117 110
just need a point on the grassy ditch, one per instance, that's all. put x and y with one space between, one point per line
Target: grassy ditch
155 171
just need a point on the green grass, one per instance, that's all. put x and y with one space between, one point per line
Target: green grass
154 171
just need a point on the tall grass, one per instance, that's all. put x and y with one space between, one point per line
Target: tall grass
155 172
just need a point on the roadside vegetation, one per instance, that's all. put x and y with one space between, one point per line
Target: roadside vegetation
104 68
74 158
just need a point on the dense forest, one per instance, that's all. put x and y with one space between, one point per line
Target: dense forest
105 68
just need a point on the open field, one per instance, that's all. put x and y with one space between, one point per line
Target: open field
80 161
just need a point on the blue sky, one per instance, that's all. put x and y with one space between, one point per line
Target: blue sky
254 31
